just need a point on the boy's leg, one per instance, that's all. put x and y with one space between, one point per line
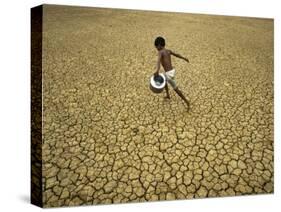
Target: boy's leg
177 90
167 91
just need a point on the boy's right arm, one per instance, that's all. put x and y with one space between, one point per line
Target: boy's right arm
158 64
179 56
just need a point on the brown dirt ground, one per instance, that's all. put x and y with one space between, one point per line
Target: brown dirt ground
108 139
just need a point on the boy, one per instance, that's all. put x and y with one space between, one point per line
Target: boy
164 57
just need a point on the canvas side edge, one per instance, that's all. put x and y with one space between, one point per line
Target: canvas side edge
36 105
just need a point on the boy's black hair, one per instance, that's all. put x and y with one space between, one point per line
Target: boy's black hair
159 41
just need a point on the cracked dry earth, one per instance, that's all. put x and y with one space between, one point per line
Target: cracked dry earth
108 139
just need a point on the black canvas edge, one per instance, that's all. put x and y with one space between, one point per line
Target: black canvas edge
36 105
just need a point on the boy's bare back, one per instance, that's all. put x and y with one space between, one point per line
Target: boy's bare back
165 59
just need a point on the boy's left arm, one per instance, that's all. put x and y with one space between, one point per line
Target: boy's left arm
179 56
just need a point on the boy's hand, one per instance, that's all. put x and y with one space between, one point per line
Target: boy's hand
156 73
186 59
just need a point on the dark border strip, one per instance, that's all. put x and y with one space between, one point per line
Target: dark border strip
36 105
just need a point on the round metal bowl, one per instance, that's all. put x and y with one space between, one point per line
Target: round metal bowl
157 83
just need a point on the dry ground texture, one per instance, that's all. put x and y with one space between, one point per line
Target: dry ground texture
108 139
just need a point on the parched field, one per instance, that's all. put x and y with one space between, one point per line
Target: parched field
108 139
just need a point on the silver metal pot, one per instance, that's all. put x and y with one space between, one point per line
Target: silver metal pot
157 83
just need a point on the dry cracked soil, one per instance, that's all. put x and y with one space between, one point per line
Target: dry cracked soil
108 139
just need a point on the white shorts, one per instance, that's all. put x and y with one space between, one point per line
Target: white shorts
170 76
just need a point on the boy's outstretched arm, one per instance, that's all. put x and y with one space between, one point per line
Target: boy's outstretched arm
158 64
179 56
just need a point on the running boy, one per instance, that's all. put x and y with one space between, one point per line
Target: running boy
164 57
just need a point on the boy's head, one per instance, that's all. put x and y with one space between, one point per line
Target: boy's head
159 43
